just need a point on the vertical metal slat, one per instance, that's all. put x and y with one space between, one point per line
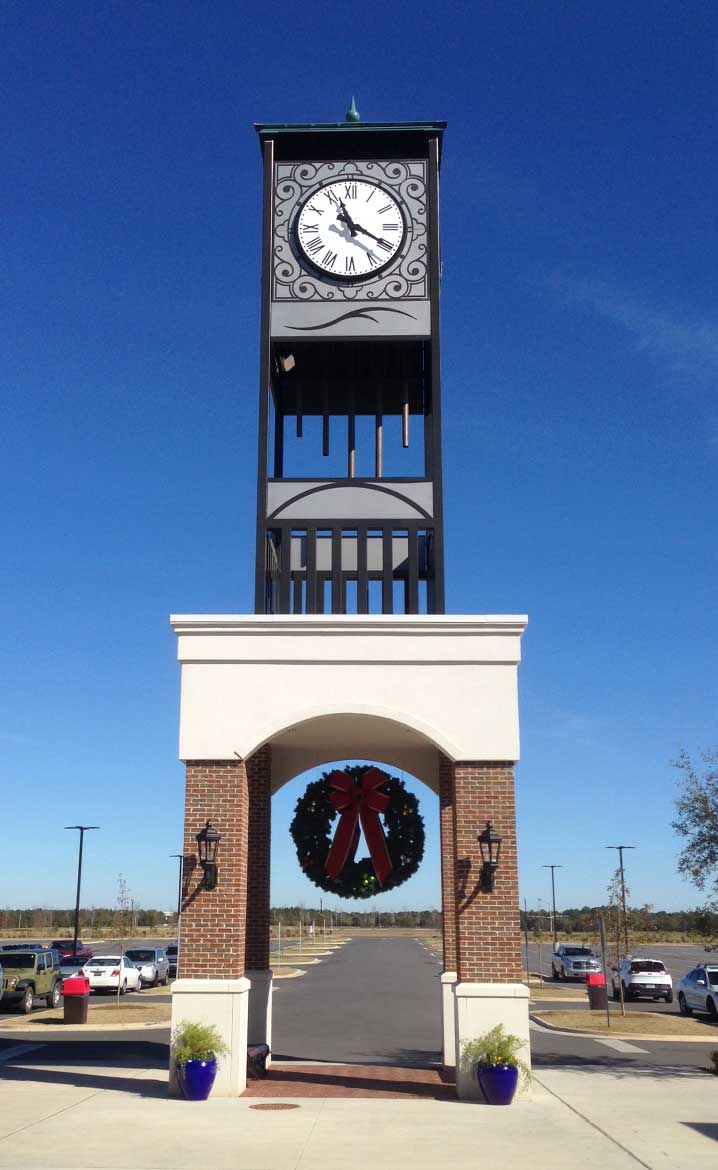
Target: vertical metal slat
362 575
336 570
387 571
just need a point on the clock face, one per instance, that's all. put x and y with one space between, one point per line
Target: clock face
350 228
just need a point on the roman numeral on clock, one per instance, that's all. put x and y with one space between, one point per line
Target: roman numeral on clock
332 198
316 210
328 260
314 227
349 264
384 246
383 210
390 227
350 191
314 245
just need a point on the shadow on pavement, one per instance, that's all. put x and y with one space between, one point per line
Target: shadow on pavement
86 1080
709 1129
400 1058
615 1066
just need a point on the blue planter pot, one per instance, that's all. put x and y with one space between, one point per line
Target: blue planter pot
498 1082
196 1078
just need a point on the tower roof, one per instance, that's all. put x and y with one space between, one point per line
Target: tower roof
367 132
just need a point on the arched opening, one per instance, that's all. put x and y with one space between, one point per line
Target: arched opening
377 999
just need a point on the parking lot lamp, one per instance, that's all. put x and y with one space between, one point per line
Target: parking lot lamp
83 829
180 857
553 898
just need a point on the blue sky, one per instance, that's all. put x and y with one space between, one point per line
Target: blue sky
580 355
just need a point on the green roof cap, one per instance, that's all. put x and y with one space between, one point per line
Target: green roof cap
273 129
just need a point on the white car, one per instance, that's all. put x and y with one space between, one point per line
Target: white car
107 972
698 991
153 964
642 978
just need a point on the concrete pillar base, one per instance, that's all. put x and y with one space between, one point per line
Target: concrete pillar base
448 982
223 1003
259 1023
478 1008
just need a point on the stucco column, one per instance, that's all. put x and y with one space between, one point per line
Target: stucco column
489 990
448 907
259 786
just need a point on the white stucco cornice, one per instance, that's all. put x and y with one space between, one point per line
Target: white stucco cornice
319 687
441 639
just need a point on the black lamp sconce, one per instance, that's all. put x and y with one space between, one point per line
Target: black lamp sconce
208 840
490 846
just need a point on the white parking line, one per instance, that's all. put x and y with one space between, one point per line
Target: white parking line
9 1054
619 1045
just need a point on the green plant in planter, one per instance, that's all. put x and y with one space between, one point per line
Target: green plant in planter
495 1048
197 1042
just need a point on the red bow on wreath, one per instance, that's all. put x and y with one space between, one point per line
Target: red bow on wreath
359 801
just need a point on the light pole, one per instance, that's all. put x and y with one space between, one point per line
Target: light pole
83 829
620 849
553 898
180 857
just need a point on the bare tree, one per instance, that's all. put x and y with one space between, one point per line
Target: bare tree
123 906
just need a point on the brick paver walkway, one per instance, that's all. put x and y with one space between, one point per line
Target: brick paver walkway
352 1080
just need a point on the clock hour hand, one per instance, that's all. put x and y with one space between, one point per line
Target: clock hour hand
344 217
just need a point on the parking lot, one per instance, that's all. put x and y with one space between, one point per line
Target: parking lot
678 958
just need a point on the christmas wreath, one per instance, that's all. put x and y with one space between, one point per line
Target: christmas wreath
363 797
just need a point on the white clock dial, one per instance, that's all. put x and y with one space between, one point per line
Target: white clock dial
350 228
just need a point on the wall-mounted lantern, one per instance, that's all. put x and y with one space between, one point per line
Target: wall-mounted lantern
208 840
490 846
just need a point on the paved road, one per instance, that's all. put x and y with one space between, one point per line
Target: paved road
372 1001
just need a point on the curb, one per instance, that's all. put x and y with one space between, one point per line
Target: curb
616 1035
88 1028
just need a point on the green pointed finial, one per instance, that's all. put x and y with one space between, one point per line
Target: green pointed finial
352 114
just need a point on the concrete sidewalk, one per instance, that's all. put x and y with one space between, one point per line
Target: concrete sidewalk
93 1117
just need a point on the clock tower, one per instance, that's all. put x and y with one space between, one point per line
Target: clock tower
349 655
349 496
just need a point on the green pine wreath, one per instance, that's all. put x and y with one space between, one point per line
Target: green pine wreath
311 831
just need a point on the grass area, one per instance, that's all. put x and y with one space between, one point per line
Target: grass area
98 1016
632 1024
556 993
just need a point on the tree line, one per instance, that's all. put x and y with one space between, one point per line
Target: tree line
582 920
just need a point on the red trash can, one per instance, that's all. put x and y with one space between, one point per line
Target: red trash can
76 992
597 993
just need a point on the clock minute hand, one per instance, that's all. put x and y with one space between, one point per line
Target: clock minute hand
366 232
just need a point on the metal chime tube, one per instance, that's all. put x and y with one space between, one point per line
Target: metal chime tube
379 437
325 421
351 439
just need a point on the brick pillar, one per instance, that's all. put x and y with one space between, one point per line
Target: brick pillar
489 990
448 861
259 783
213 921
488 937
